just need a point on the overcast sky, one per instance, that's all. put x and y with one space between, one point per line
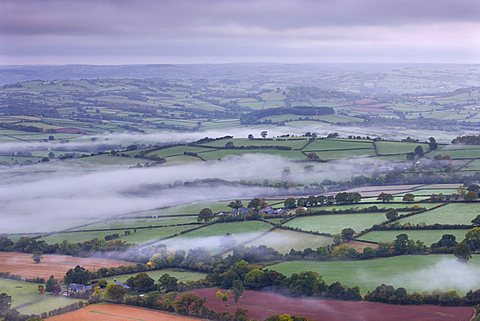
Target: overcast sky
196 31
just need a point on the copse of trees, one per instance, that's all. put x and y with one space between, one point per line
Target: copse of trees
467 140
389 294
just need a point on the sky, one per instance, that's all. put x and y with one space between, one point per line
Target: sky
220 31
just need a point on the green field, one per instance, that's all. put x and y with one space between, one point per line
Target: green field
388 148
334 224
220 229
285 240
454 213
181 275
377 204
138 237
27 299
426 236
222 153
336 144
407 271
297 143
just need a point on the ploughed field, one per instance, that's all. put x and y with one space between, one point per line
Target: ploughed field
261 305
117 312
56 265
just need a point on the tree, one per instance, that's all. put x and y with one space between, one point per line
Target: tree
391 214
447 240
222 295
290 203
257 203
462 191
5 303
37 256
250 136
78 275
189 304
300 210
347 234
462 252
168 283
264 134
312 156
236 204
410 156
432 144
312 201
102 284
237 290
205 215
419 151
50 285
229 145
385 197
115 292
409 197
401 244
142 282
476 221
471 196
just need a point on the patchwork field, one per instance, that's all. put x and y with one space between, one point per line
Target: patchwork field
415 273
261 305
56 265
116 312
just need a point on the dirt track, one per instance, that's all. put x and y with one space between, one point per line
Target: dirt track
56 265
261 305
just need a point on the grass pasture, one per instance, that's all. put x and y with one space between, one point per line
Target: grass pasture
284 240
453 213
27 300
391 148
411 272
181 275
141 235
334 224
220 229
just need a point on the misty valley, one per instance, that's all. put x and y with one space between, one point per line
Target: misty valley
186 192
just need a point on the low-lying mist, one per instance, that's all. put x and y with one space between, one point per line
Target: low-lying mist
108 141
448 274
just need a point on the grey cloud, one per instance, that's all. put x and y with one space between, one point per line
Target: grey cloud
184 16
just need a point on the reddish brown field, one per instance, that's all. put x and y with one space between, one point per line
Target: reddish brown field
56 265
360 246
117 312
261 305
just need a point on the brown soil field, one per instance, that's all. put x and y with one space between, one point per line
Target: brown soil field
118 312
261 305
360 246
56 265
